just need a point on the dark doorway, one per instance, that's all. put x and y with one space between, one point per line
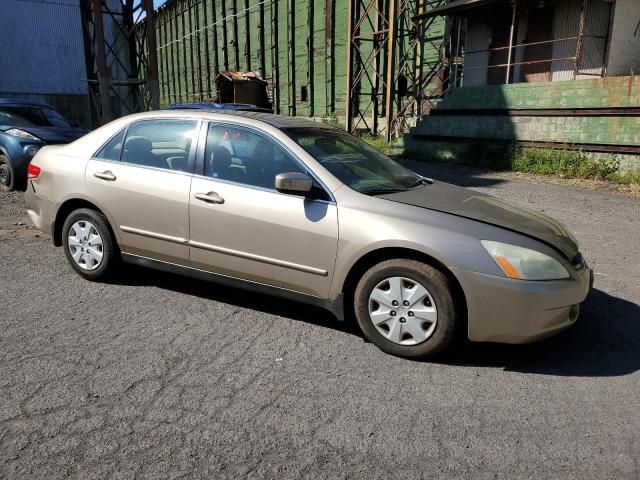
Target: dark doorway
539 29
499 39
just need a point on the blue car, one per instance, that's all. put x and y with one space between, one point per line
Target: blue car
25 127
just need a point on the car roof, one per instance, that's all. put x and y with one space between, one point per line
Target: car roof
277 121
19 101
210 105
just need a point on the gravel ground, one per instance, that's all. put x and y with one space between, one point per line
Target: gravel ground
157 376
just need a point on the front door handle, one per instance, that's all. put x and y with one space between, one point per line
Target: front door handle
106 175
210 197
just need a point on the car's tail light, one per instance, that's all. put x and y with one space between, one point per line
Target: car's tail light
33 171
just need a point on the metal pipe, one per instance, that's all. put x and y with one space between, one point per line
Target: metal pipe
234 24
607 46
329 57
348 106
291 56
275 60
511 31
377 64
310 65
214 30
225 37
247 36
261 55
196 19
104 75
206 46
391 50
576 65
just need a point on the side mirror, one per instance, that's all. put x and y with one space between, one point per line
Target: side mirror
294 182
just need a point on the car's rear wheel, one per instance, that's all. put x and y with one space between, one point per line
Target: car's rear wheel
88 243
406 308
7 174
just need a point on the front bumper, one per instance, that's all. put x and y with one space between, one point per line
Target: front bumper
516 311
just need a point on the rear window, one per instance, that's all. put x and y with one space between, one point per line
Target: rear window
160 143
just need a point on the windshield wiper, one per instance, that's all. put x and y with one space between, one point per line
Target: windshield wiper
382 191
421 181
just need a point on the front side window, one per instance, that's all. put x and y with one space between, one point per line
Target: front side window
159 143
353 162
242 156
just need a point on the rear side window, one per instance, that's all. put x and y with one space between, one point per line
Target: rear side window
112 149
159 143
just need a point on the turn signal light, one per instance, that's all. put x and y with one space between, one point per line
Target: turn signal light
508 269
33 172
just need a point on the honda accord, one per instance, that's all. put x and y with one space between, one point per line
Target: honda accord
305 211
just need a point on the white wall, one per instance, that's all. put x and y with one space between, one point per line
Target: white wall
624 54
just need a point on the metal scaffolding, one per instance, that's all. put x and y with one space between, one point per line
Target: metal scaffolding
120 57
389 76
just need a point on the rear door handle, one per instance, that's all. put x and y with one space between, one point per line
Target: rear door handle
210 197
106 175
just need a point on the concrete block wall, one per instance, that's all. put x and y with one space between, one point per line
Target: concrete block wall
592 93
499 126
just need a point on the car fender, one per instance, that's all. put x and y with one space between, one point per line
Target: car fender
86 198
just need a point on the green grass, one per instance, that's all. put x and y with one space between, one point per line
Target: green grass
379 143
566 163
332 120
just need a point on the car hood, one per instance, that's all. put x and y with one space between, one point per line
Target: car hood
467 203
55 135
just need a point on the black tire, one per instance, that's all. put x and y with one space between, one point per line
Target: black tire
438 287
8 181
109 249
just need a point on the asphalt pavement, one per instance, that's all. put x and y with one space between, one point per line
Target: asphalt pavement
158 376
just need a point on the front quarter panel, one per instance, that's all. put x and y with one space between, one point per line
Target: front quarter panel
370 223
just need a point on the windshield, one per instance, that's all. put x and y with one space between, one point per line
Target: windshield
31 116
353 162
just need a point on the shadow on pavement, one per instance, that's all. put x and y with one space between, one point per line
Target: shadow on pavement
138 276
605 341
461 175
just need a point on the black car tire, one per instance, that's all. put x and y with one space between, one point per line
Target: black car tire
109 247
7 174
438 287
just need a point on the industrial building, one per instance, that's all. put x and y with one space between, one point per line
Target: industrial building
446 75
42 55
439 76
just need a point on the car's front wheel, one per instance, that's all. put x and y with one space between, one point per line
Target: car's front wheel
7 174
88 243
406 308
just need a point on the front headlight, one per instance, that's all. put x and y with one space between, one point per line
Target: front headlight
523 263
31 150
16 132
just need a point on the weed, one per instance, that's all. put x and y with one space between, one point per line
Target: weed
567 163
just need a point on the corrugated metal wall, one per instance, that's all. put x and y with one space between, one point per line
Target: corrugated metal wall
41 47
305 49
566 28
